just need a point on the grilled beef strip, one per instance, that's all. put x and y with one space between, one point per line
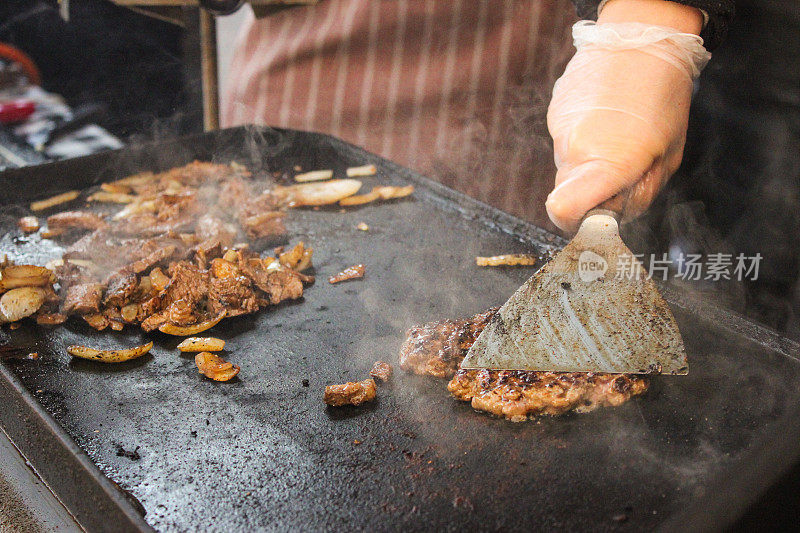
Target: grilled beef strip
187 217
75 220
83 298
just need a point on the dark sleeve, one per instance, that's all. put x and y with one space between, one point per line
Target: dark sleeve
720 14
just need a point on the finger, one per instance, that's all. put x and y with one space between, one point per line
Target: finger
585 186
644 191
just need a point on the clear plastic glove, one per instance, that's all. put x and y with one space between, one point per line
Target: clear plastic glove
618 116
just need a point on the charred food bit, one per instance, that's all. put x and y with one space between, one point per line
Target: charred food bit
353 272
381 370
28 224
109 356
201 344
53 201
438 348
507 260
215 367
351 393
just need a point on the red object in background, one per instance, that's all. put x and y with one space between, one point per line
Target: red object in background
16 55
14 111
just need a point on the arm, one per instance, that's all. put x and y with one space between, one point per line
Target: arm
619 113
656 12
718 15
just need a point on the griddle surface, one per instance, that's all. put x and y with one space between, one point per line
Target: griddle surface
263 451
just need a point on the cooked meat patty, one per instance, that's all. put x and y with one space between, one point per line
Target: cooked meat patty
351 393
438 348
517 395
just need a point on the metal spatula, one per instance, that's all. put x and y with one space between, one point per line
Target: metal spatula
592 308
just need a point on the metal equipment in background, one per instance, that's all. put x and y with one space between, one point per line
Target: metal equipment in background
208 37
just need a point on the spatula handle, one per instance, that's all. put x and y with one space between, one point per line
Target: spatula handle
613 207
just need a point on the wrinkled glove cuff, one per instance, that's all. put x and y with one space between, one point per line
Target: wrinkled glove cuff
683 50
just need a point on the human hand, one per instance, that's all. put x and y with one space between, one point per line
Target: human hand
618 117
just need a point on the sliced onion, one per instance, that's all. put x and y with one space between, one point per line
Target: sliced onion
293 257
186 331
384 192
158 279
53 201
359 199
363 171
201 344
109 356
111 197
314 175
135 179
19 303
28 224
215 367
507 260
389 192
305 261
116 187
15 276
323 193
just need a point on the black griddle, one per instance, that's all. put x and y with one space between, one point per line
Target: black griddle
263 452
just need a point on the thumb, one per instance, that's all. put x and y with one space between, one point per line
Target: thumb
582 187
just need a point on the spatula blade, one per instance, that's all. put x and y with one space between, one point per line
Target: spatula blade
592 308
